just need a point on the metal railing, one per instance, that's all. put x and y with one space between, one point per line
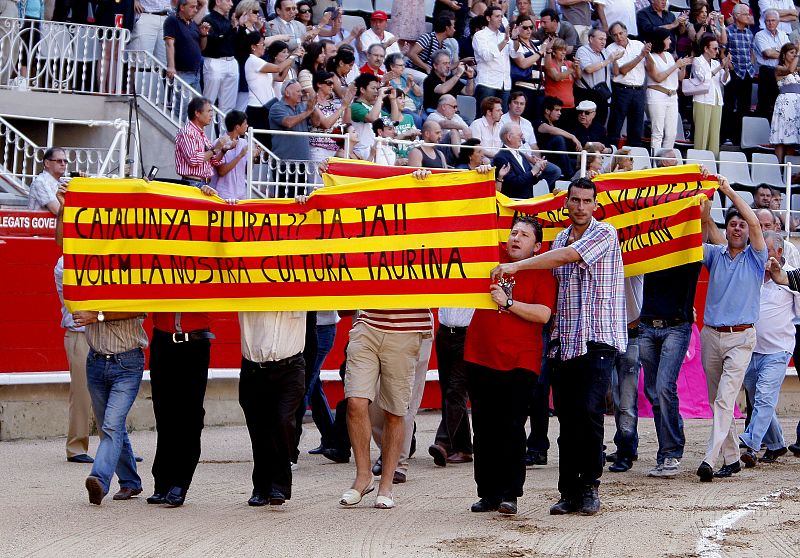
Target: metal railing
61 57
18 157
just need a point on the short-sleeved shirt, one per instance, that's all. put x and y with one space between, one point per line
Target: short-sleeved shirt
188 57
358 113
669 293
740 45
594 133
765 40
42 191
430 44
430 98
585 56
234 184
259 84
579 13
647 20
591 292
289 146
505 341
734 285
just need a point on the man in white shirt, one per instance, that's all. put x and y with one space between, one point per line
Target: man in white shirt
775 339
787 13
767 45
450 121
623 11
627 85
487 127
492 58
377 33
42 193
271 386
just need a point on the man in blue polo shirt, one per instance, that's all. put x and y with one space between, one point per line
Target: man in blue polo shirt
736 273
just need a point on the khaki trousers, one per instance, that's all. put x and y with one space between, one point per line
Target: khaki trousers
80 406
707 120
726 357
417 390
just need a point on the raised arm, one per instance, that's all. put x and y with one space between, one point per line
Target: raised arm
747 213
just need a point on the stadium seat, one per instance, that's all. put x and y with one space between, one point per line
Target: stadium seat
641 158
467 108
562 185
350 22
680 136
541 188
384 6
359 6
746 196
717 210
755 133
429 4
769 173
703 157
733 165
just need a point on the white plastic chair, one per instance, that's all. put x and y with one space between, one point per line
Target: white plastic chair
770 173
704 157
350 22
746 196
467 108
717 210
541 188
358 6
733 165
755 133
384 6
562 185
641 158
429 4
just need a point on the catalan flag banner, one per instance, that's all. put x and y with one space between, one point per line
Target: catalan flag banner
394 242
655 211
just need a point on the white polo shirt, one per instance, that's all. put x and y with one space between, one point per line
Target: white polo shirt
635 77
775 330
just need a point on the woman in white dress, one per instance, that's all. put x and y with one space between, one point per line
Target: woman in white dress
785 133
663 81
708 105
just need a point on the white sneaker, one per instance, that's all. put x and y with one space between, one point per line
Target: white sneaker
670 469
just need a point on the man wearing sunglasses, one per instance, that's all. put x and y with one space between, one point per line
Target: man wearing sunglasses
42 193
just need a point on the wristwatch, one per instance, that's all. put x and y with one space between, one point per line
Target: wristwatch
509 303
100 316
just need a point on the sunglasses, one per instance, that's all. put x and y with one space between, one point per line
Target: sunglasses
526 27
304 11
453 106
586 112
329 83
62 161
255 12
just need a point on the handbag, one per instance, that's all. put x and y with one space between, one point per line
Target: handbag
601 90
693 86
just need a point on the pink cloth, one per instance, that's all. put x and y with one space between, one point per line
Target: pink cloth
692 387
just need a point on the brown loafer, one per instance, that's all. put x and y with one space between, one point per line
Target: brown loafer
439 455
95 489
459 457
126 493
398 478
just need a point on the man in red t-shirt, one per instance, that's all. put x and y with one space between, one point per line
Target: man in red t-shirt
503 353
376 54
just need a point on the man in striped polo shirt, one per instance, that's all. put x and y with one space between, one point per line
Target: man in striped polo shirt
384 345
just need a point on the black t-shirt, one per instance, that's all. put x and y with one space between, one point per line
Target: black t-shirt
220 37
188 57
430 99
594 133
669 293
542 139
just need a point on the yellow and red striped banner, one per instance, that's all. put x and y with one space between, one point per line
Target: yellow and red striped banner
397 242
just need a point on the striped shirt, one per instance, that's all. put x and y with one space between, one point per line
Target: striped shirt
591 292
397 321
117 336
191 143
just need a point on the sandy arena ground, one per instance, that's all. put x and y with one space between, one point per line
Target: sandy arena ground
45 512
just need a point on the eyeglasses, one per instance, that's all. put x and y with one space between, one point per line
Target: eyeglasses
62 161
526 27
714 48
586 112
453 106
329 83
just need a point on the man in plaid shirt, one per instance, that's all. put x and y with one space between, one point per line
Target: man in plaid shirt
738 92
590 329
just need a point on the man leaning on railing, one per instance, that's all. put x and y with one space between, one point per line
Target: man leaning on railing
195 156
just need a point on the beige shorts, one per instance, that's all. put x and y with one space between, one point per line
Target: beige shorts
390 357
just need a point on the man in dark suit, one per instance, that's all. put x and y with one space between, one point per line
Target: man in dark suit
524 168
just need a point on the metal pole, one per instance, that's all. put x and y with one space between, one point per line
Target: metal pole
583 163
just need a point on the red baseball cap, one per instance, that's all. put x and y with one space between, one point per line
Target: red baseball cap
381 15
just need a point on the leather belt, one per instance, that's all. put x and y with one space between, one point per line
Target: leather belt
186 336
732 329
197 179
624 86
453 329
664 90
161 13
662 322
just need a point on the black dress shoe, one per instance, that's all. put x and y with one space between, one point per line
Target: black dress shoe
533 457
80 458
439 455
749 458
728 470
175 497
590 504
398 478
564 506
621 464
377 469
257 500
771 456
705 472
276 497
157 498
317 450
138 459
508 507
484 505
795 449
337 455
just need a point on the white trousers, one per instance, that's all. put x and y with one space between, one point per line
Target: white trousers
221 82
148 35
663 122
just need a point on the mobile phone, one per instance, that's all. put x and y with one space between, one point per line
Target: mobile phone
152 174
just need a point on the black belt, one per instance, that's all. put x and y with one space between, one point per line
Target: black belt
161 13
94 354
453 329
273 363
185 336
636 87
663 322
196 179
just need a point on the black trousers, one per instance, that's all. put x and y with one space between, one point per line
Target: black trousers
178 377
540 412
767 91
454 432
737 100
310 358
579 396
500 402
269 393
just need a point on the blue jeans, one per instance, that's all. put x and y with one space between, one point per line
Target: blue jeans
192 79
661 351
551 173
315 396
625 389
561 160
113 383
763 381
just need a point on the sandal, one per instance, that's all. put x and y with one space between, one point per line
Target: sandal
351 496
384 502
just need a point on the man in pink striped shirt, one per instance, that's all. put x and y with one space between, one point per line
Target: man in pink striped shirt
195 156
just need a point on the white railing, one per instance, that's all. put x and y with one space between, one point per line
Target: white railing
61 57
18 157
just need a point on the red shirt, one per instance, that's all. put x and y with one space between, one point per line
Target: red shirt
190 145
365 69
504 341
561 89
188 321
726 9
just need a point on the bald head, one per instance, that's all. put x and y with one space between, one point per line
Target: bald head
766 219
431 132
